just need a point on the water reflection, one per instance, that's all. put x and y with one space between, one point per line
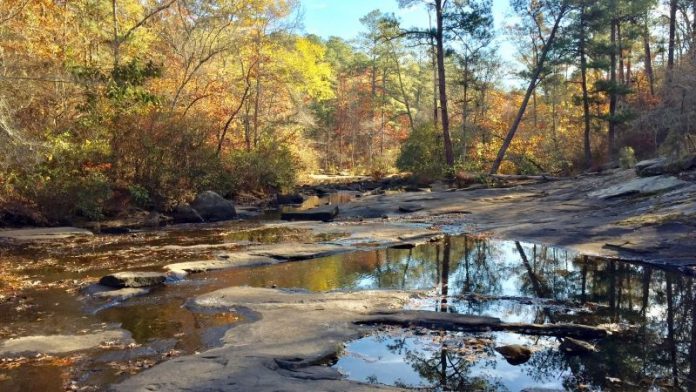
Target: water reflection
528 283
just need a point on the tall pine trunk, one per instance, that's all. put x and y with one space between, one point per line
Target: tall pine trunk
585 94
648 55
530 90
613 97
442 84
672 37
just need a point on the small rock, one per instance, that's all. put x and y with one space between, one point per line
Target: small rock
515 354
133 279
572 346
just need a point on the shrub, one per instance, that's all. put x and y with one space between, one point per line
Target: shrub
421 154
627 158
270 168
71 181
140 196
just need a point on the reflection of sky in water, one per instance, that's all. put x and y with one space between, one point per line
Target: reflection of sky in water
388 358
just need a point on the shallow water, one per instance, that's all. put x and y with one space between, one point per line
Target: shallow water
513 281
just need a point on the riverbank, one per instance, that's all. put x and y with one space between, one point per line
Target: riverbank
205 330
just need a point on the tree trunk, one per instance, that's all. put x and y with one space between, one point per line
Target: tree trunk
433 57
693 33
465 106
585 94
672 37
613 98
442 83
530 90
619 49
407 103
648 55
116 44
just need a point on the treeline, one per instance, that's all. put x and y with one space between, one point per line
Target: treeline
107 103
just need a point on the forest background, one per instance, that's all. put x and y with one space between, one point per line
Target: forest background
153 101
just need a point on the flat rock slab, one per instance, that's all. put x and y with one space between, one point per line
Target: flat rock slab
293 251
43 234
285 348
133 279
649 185
225 261
60 344
323 214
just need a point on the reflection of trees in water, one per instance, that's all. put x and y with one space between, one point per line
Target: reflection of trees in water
662 352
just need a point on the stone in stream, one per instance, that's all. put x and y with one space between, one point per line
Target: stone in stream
572 346
515 354
225 261
60 344
213 207
324 214
121 294
294 251
133 279
411 207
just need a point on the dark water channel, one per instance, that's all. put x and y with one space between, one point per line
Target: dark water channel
516 282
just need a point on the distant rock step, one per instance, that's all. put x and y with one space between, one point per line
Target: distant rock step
323 214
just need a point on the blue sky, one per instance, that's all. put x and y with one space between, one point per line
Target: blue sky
341 18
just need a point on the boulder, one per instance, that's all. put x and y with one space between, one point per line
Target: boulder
213 207
647 186
515 354
133 279
184 213
651 167
660 166
324 214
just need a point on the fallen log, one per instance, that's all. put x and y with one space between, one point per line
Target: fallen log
468 323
